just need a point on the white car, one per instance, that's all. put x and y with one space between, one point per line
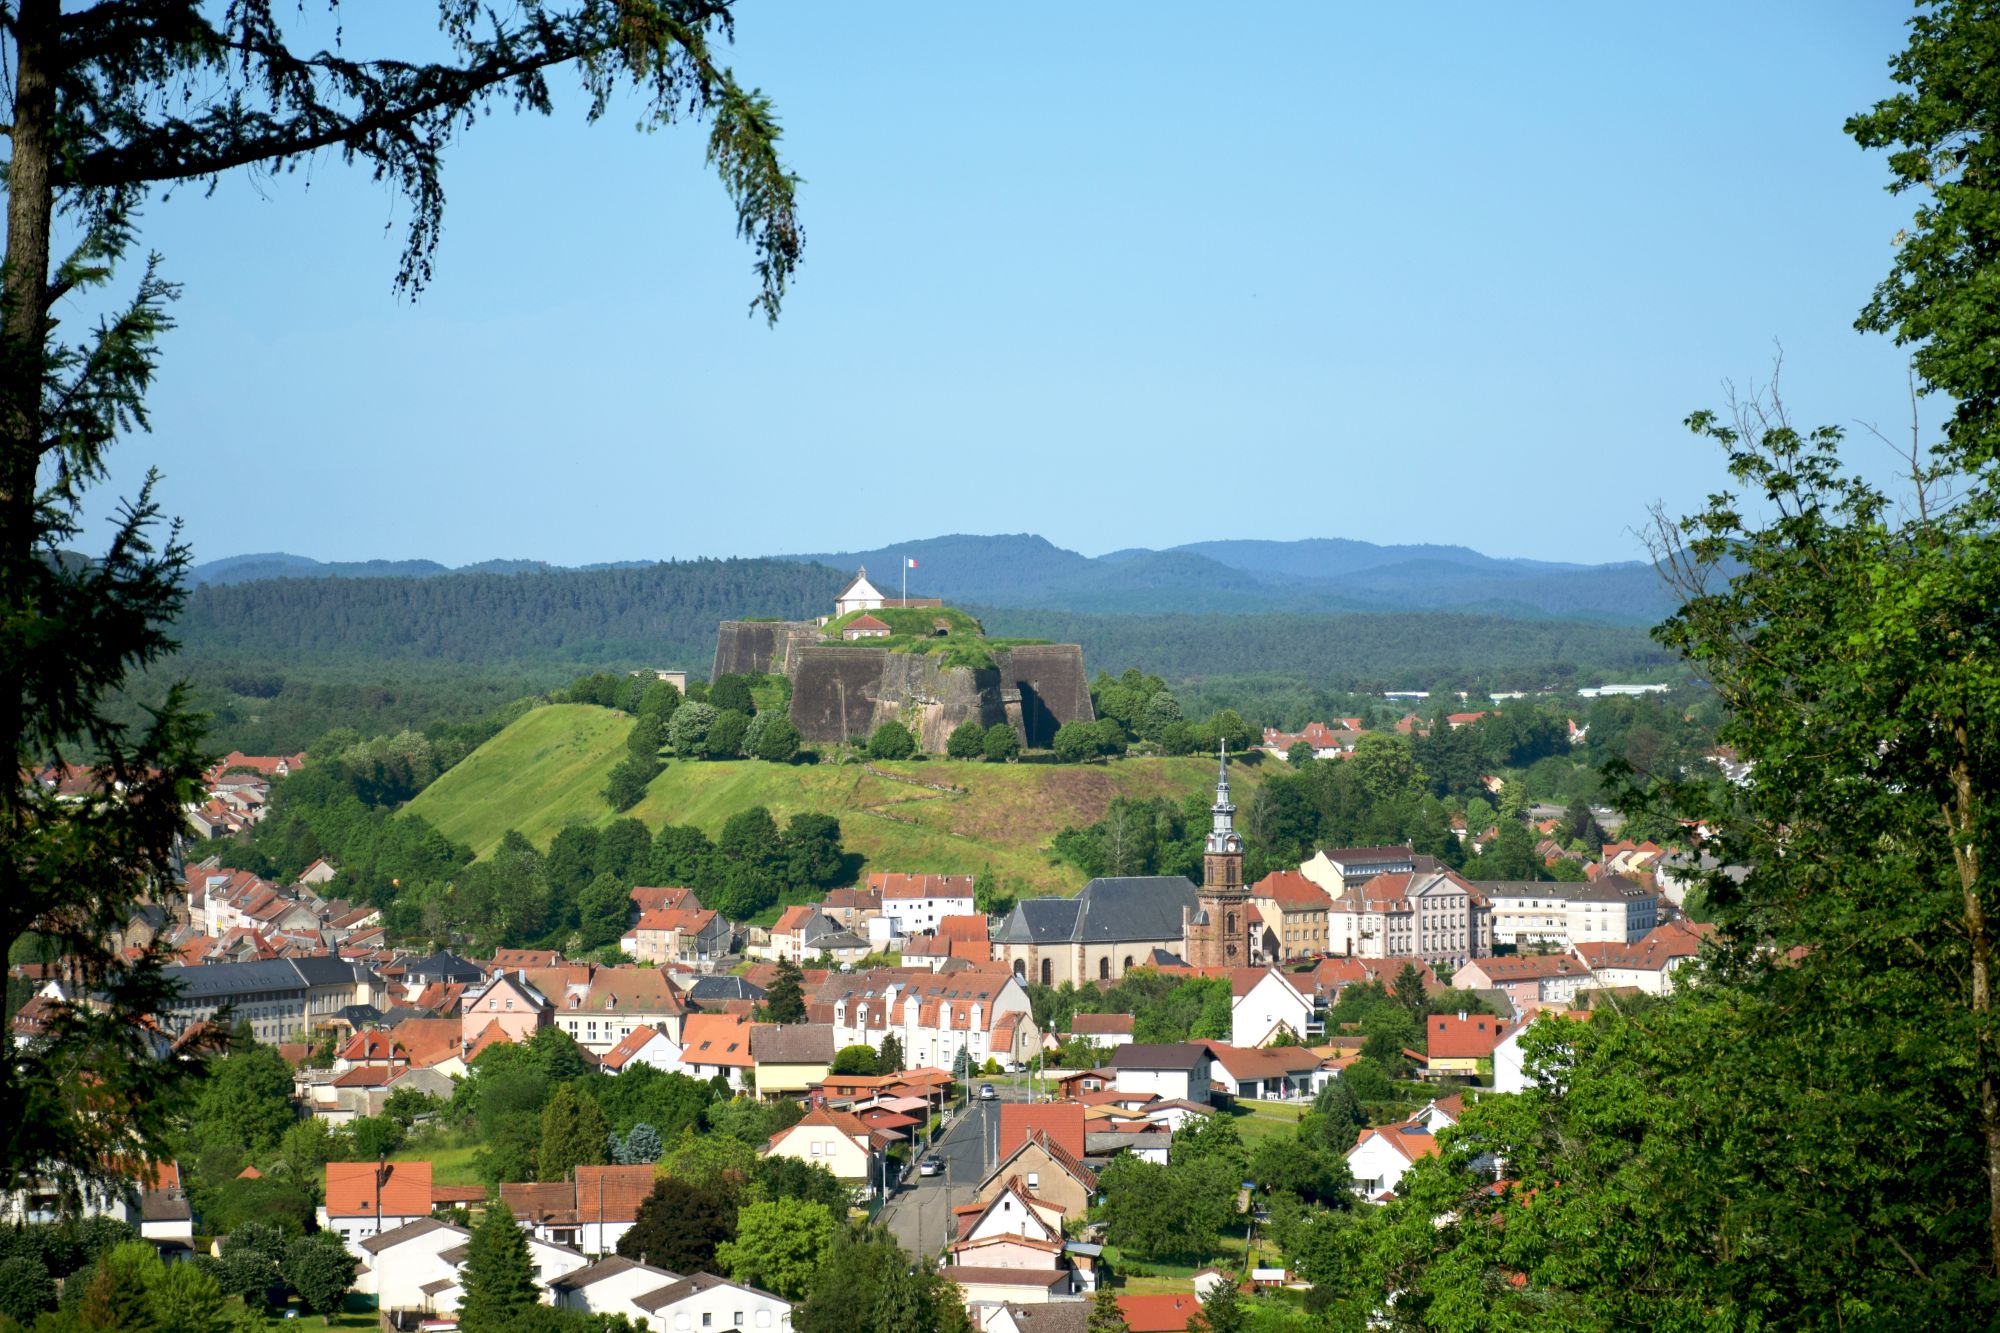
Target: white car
986 1093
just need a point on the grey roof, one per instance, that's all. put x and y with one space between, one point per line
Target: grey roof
611 1267
1181 1055
1054 1317
444 965
717 990
792 1043
1607 889
1114 1141
328 970
692 1285
164 1206
408 1231
360 1015
220 981
1111 910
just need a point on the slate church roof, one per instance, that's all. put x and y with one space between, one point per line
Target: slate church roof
1108 911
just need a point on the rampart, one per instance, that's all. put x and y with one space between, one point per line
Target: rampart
841 694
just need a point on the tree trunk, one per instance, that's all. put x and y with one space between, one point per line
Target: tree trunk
30 207
1961 819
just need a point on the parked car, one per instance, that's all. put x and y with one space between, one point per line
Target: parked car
1016 1067
930 1166
986 1093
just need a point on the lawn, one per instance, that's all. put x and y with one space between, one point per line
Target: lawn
1159 1276
1258 1120
549 767
449 1166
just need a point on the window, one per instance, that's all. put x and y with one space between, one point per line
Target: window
1104 969
1034 1180
707 1319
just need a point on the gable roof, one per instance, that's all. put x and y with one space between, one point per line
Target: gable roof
1292 891
632 1043
1060 1121
792 1043
1473 1036
408 1231
1108 910
716 1039
893 885
1167 1312
351 1189
1184 1056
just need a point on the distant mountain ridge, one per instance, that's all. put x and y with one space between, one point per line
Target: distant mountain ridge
1325 575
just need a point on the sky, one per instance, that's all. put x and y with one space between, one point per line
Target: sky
1121 274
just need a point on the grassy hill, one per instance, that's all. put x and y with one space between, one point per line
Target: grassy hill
548 769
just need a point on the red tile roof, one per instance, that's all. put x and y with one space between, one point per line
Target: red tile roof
405 1189
1292 891
893 885
1165 1313
1061 1121
1450 1037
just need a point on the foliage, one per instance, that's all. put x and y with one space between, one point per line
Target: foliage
679 1225
779 1245
688 732
967 741
499 1274
188 1299
1001 744
320 1269
573 1134
1163 1008
892 740
869 1283
1172 1212
785 1001
641 1145
858 1059
1222 1310
1105 1316
26 1288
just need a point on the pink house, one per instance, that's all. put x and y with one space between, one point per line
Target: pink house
507 1002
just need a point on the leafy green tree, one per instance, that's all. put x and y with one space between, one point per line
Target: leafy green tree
1001 743
648 734
779 1246
1300 754
688 732
778 1177
1105 1316
776 740
1109 736
246 1101
1368 1081
26 1288
892 740
785 1001
187 1299
601 912
967 741
870 1283
857 1059
813 853
499 1274
678 1226
681 856
659 699
1178 737
1408 991
573 1134
1161 711
732 692
372 1136
320 1269
1075 742
725 735
890 1058
1222 1310
626 786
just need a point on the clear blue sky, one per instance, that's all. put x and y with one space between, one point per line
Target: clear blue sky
1120 274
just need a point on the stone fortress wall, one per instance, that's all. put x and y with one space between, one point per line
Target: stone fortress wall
842 694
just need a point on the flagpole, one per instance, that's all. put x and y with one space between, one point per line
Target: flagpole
906 580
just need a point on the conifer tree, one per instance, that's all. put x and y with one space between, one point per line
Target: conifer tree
785 1001
1105 1316
499 1274
573 1134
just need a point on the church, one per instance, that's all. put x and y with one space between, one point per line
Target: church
1121 922
861 595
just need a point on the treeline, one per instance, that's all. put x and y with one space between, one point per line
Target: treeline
1435 651
664 614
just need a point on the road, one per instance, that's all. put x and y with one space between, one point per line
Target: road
919 1213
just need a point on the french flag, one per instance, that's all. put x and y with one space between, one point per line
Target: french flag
912 564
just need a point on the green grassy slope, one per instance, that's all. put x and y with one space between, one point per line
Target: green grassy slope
548 769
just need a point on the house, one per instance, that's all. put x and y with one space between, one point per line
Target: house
1434 915
1293 910
861 595
1509 1062
1062 1122
1048 1172
1111 926
1014 1317
404 1269
1278 1073
646 900
588 1212
1529 981
506 1002
865 626
981 1011
1104 1031
617 1001
1176 1071
678 935
852 909
717 1044
1265 1004
1010 1251
1648 965
1611 908
840 1141
804 932
649 1297
1382 1155
1461 1043
280 997
789 1058
364 1199
915 904
1168 1312
1335 868
649 1045
1324 741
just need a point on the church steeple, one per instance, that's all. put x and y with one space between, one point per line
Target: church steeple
1222 837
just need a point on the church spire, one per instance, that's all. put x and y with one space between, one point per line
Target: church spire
1222 838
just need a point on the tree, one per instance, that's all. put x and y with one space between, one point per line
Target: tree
1075 742
573 1134
97 123
859 1059
119 1298
812 851
1160 712
892 740
320 1269
1105 1316
785 1001
188 1299
642 1143
601 912
1300 754
1408 991
890 1058
688 732
499 1274
870 1283
626 786
246 1101
1222 1309
777 740
725 735
678 1226
648 734
967 741
779 1246
732 692
1001 743
26 1288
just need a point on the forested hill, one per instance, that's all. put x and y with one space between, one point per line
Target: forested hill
663 614
1360 652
